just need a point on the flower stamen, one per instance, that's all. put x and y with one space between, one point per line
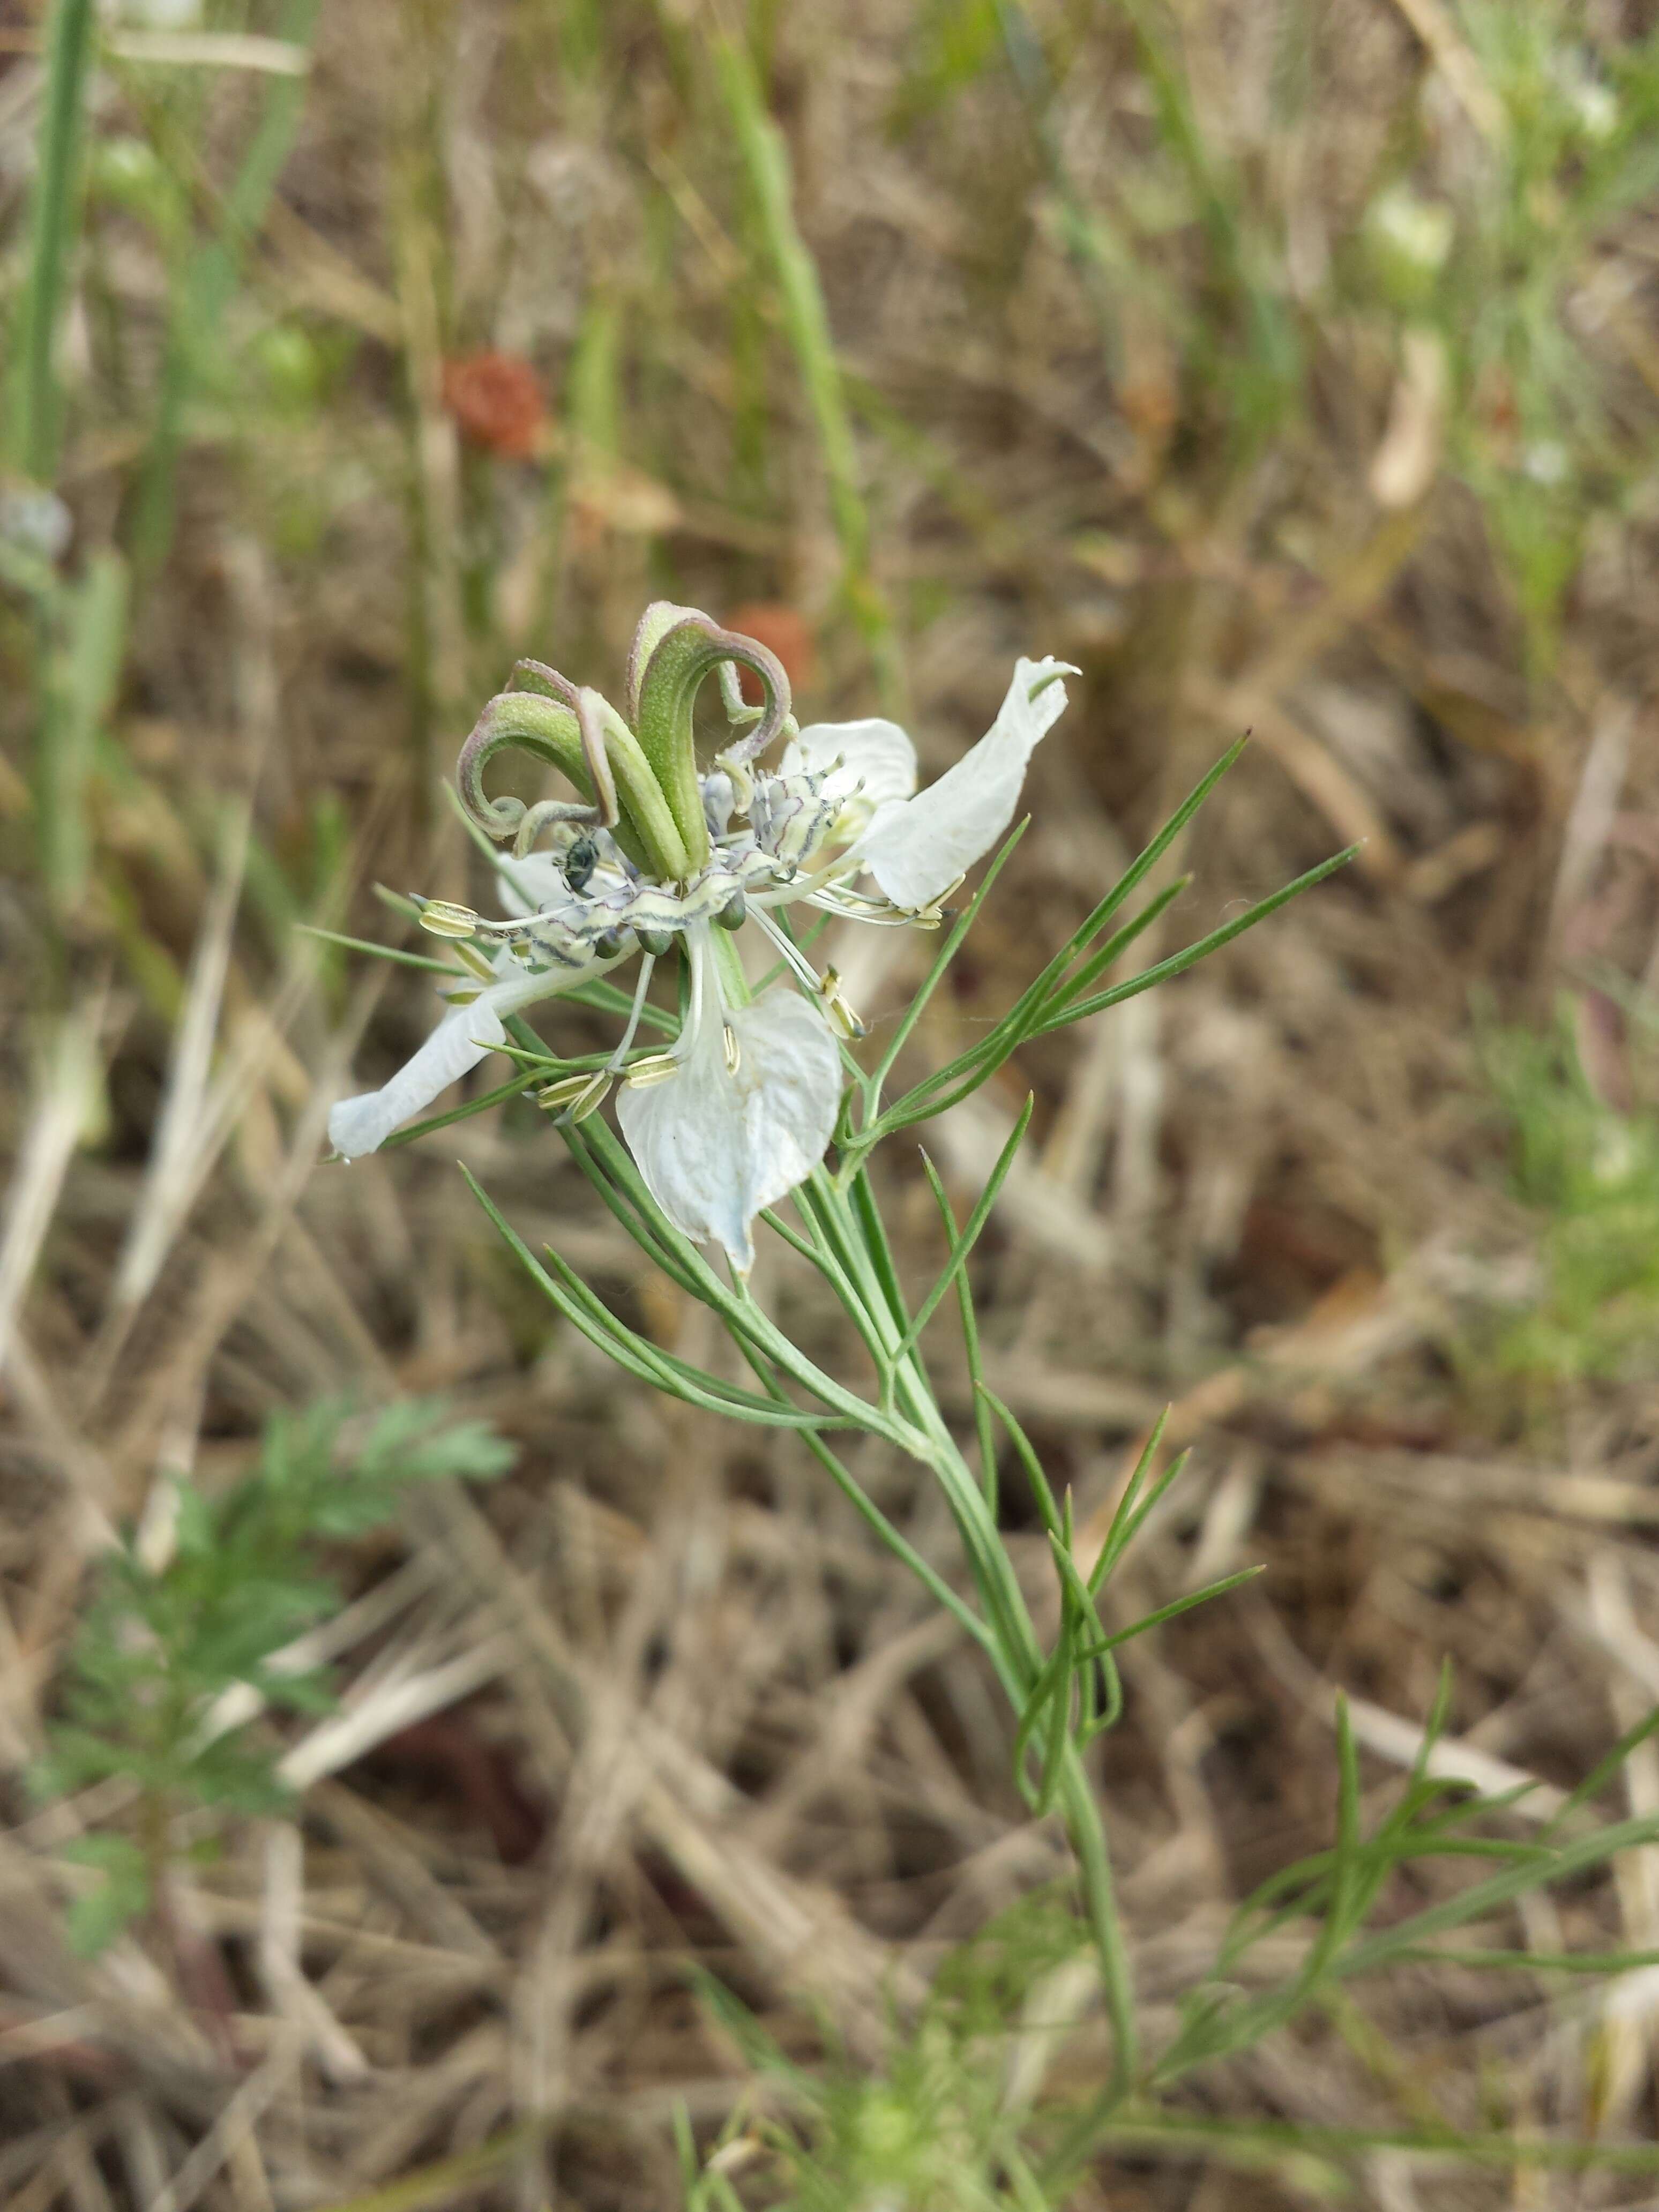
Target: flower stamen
843 1018
445 919
582 1095
657 1067
826 987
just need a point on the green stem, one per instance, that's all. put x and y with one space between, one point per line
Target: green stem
849 1222
39 404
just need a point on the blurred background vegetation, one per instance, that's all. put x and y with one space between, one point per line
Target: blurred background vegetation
1284 364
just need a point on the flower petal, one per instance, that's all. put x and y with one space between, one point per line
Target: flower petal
534 884
466 1036
716 1148
875 755
917 847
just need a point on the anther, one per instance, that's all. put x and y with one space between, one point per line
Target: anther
444 920
656 942
659 1067
840 1011
733 1050
733 913
581 1094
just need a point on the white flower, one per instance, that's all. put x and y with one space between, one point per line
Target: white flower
744 1107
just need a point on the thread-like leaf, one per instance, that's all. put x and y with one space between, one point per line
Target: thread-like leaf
964 1245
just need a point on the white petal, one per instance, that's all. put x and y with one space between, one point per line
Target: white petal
714 1147
532 885
466 1036
875 755
916 848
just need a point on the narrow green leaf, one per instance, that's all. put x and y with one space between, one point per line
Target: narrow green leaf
1178 962
201 303
515 1089
1176 1605
946 953
1148 2130
965 1243
37 401
1130 881
897 1543
765 157
1123 1522
1040 1490
1117 945
1043 1007
1482 1899
1059 1714
1535 1962
383 951
84 674
984 1426
874 1230
1604 1770
1152 1498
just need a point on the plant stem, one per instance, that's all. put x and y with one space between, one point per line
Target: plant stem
1013 1644
1005 1602
37 401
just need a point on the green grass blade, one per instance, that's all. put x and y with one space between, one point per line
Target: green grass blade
37 400
208 287
83 675
765 157
1258 2143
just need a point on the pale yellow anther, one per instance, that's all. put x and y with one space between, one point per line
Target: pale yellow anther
659 1067
733 1051
554 1095
581 1094
444 920
843 1016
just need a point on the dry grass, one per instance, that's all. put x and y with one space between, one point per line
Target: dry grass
656 1700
